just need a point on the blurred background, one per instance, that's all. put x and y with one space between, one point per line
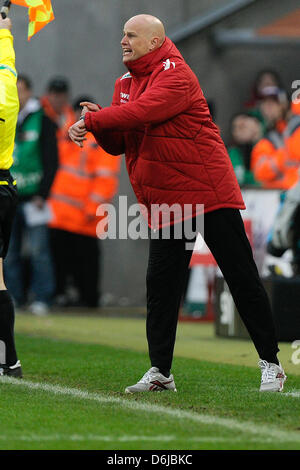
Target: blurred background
227 43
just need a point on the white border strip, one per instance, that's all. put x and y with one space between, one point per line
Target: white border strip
124 438
262 430
293 393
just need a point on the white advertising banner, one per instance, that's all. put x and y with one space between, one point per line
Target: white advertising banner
261 208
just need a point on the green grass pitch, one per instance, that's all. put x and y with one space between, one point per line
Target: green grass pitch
76 369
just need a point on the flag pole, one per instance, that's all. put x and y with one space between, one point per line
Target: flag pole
5 9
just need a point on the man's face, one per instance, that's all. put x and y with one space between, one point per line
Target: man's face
58 101
267 80
245 129
272 110
135 43
24 93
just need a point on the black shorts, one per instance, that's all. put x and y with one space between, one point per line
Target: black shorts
8 203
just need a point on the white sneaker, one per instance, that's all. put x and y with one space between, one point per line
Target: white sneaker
40 309
153 381
272 377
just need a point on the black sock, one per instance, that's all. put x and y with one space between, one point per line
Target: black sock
7 320
165 372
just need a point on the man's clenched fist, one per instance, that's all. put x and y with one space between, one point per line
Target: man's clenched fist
77 132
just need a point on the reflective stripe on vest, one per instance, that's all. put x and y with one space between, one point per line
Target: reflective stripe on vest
75 171
276 139
67 200
293 124
83 174
97 198
266 159
106 173
7 67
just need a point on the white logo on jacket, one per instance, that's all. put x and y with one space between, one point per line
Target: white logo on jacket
126 75
167 64
124 97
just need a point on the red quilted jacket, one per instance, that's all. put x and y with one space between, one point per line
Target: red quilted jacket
174 153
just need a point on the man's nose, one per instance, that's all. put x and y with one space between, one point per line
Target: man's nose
123 41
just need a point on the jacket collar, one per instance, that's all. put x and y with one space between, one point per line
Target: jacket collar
146 64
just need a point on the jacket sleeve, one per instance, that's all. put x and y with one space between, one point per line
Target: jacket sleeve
7 53
49 153
111 141
167 96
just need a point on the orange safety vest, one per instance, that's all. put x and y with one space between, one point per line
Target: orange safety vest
86 177
275 159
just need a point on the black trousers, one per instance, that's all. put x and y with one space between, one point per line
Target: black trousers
224 233
8 204
77 256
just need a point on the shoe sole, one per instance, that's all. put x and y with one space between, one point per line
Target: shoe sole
144 391
16 373
278 388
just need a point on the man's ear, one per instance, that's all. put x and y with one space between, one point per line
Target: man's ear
154 43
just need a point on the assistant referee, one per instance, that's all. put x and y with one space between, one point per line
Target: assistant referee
9 108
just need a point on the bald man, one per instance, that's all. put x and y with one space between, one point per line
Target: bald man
180 170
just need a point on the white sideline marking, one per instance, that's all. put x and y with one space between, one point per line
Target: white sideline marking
293 393
229 423
95 437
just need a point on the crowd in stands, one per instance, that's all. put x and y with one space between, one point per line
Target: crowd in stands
265 136
264 148
265 153
54 253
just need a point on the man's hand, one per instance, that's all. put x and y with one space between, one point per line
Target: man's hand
88 107
77 132
5 24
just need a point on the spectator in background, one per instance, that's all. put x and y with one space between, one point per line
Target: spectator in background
57 106
85 178
265 78
275 158
34 167
246 131
285 235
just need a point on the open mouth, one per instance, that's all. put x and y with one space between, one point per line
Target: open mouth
127 52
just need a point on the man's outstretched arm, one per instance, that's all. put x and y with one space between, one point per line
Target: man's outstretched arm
112 141
168 96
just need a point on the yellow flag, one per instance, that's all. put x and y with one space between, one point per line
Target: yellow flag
40 14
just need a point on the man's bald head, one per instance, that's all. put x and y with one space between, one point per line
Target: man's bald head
142 34
148 25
